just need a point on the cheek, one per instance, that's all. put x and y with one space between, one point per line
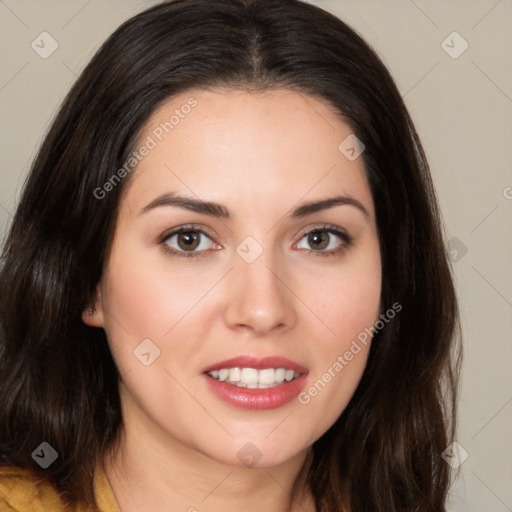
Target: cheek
347 298
349 308
151 297
147 298
348 305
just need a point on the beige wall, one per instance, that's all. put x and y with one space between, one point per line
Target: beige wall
462 108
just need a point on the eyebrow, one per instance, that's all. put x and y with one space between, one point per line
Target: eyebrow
220 211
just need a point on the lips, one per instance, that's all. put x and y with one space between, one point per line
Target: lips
258 363
256 397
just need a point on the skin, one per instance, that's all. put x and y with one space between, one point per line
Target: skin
260 155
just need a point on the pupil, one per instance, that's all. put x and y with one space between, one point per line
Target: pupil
189 238
319 239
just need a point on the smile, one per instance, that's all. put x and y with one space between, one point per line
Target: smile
253 378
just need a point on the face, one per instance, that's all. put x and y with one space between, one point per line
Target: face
217 264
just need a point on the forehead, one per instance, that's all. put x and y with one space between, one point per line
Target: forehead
245 146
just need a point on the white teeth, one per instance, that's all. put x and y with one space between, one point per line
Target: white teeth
234 375
267 376
252 378
280 375
249 376
288 375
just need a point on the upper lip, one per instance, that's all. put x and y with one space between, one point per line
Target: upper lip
258 363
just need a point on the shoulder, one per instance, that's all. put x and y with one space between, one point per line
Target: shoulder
23 491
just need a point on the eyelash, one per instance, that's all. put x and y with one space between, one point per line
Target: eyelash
327 228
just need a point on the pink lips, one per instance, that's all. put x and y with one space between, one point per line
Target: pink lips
259 363
257 399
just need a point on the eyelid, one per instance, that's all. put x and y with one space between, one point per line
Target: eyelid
330 228
176 231
322 227
347 240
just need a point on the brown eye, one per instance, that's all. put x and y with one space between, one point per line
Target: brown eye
325 241
188 240
318 239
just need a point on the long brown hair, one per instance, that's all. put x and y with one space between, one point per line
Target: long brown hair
58 379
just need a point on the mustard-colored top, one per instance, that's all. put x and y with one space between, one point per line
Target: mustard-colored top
22 491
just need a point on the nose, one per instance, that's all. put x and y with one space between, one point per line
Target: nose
259 298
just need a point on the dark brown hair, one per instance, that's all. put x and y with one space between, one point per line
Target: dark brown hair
58 380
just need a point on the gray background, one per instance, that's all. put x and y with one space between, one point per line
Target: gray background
462 109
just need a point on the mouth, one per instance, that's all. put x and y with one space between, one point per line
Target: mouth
256 383
253 378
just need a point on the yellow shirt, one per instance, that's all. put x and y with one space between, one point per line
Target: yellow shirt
22 491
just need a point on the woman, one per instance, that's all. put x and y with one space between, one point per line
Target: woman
226 283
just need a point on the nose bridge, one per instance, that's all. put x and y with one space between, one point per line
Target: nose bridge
259 298
260 275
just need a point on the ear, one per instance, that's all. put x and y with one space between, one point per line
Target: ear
93 314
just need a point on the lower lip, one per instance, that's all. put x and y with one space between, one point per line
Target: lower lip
257 399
